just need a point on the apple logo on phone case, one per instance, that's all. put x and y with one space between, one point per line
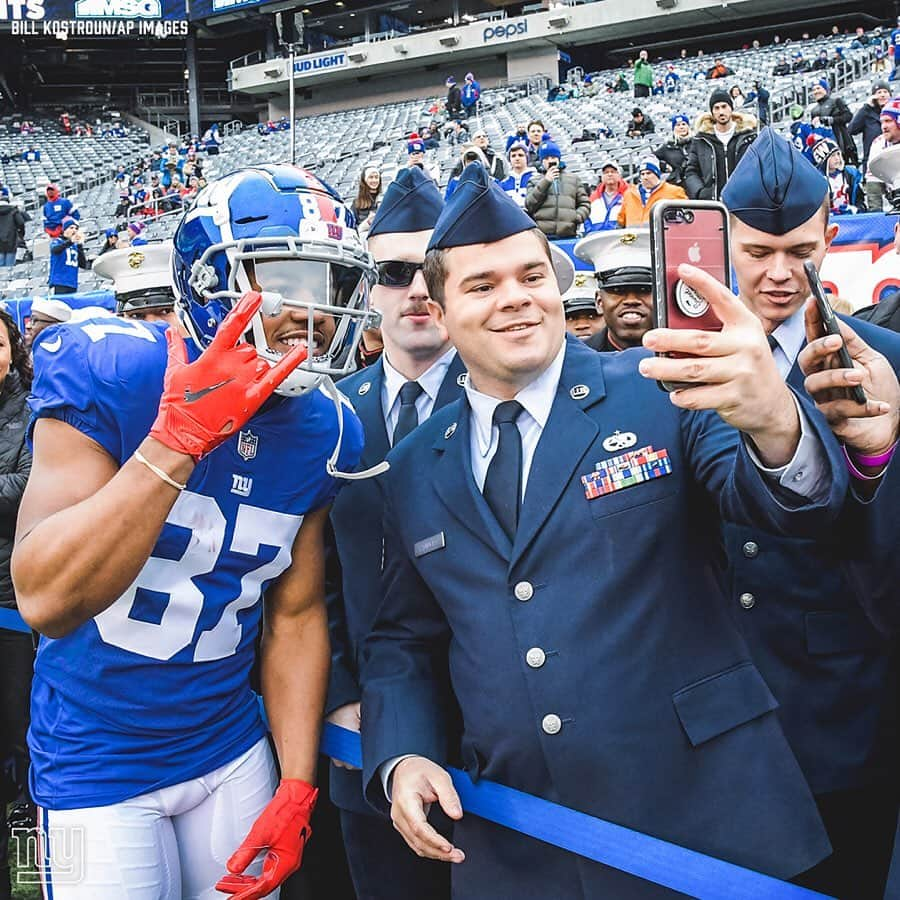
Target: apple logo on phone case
694 252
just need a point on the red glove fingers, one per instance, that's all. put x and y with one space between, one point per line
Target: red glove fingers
281 830
206 401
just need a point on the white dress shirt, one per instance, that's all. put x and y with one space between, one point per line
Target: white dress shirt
430 381
536 398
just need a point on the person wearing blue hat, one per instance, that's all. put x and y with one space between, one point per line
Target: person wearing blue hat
674 153
417 374
415 149
67 257
110 241
492 509
470 94
454 99
832 674
845 190
832 112
800 63
557 201
640 198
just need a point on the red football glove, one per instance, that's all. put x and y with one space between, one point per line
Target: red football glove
282 830
206 401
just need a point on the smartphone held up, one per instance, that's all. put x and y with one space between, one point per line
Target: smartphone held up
830 325
693 232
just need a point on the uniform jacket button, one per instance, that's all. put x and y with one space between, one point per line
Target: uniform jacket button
523 591
551 724
750 549
535 657
748 601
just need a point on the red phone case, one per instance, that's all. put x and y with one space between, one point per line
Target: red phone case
701 243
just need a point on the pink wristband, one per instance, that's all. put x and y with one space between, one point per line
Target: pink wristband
880 460
864 461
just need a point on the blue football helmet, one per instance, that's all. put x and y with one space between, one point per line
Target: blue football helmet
279 230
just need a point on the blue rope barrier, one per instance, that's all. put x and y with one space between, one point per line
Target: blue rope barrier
650 858
641 855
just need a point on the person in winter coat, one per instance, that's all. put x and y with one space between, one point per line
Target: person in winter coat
639 124
867 119
12 229
759 97
721 138
492 160
833 113
640 197
557 201
454 99
718 70
674 153
16 647
643 75
606 199
56 209
470 94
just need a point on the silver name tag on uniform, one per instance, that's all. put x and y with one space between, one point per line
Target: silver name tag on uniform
430 544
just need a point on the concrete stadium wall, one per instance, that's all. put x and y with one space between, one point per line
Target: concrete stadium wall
410 85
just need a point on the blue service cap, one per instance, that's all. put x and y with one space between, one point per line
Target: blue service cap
412 202
478 212
774 188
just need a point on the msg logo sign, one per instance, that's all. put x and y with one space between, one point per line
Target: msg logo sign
118 9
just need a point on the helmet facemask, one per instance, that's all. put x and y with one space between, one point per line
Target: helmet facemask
324 283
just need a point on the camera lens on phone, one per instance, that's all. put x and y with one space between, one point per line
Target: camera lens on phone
688 216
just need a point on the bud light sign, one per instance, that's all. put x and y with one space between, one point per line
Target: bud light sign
504 31
312 65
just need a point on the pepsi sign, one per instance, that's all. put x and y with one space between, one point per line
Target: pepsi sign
504 31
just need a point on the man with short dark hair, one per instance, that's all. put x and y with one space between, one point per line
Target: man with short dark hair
640 124
721 138
417 374
492 506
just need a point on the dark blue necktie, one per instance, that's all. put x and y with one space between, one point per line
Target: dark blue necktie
503 482
408 417
773 342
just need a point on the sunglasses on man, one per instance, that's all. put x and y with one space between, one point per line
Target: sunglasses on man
397 273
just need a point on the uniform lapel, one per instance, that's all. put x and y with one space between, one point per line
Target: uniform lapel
566 437
366 400
795 377
455 484
453 382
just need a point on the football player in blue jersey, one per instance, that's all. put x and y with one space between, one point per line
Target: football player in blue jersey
175 510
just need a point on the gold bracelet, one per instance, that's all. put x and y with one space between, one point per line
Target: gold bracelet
156 470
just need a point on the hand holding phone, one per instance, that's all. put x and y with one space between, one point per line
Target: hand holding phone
693 232
830 324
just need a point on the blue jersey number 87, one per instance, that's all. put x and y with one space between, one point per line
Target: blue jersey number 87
203 517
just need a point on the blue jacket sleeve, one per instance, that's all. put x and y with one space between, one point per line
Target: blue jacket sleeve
403 703
722 465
